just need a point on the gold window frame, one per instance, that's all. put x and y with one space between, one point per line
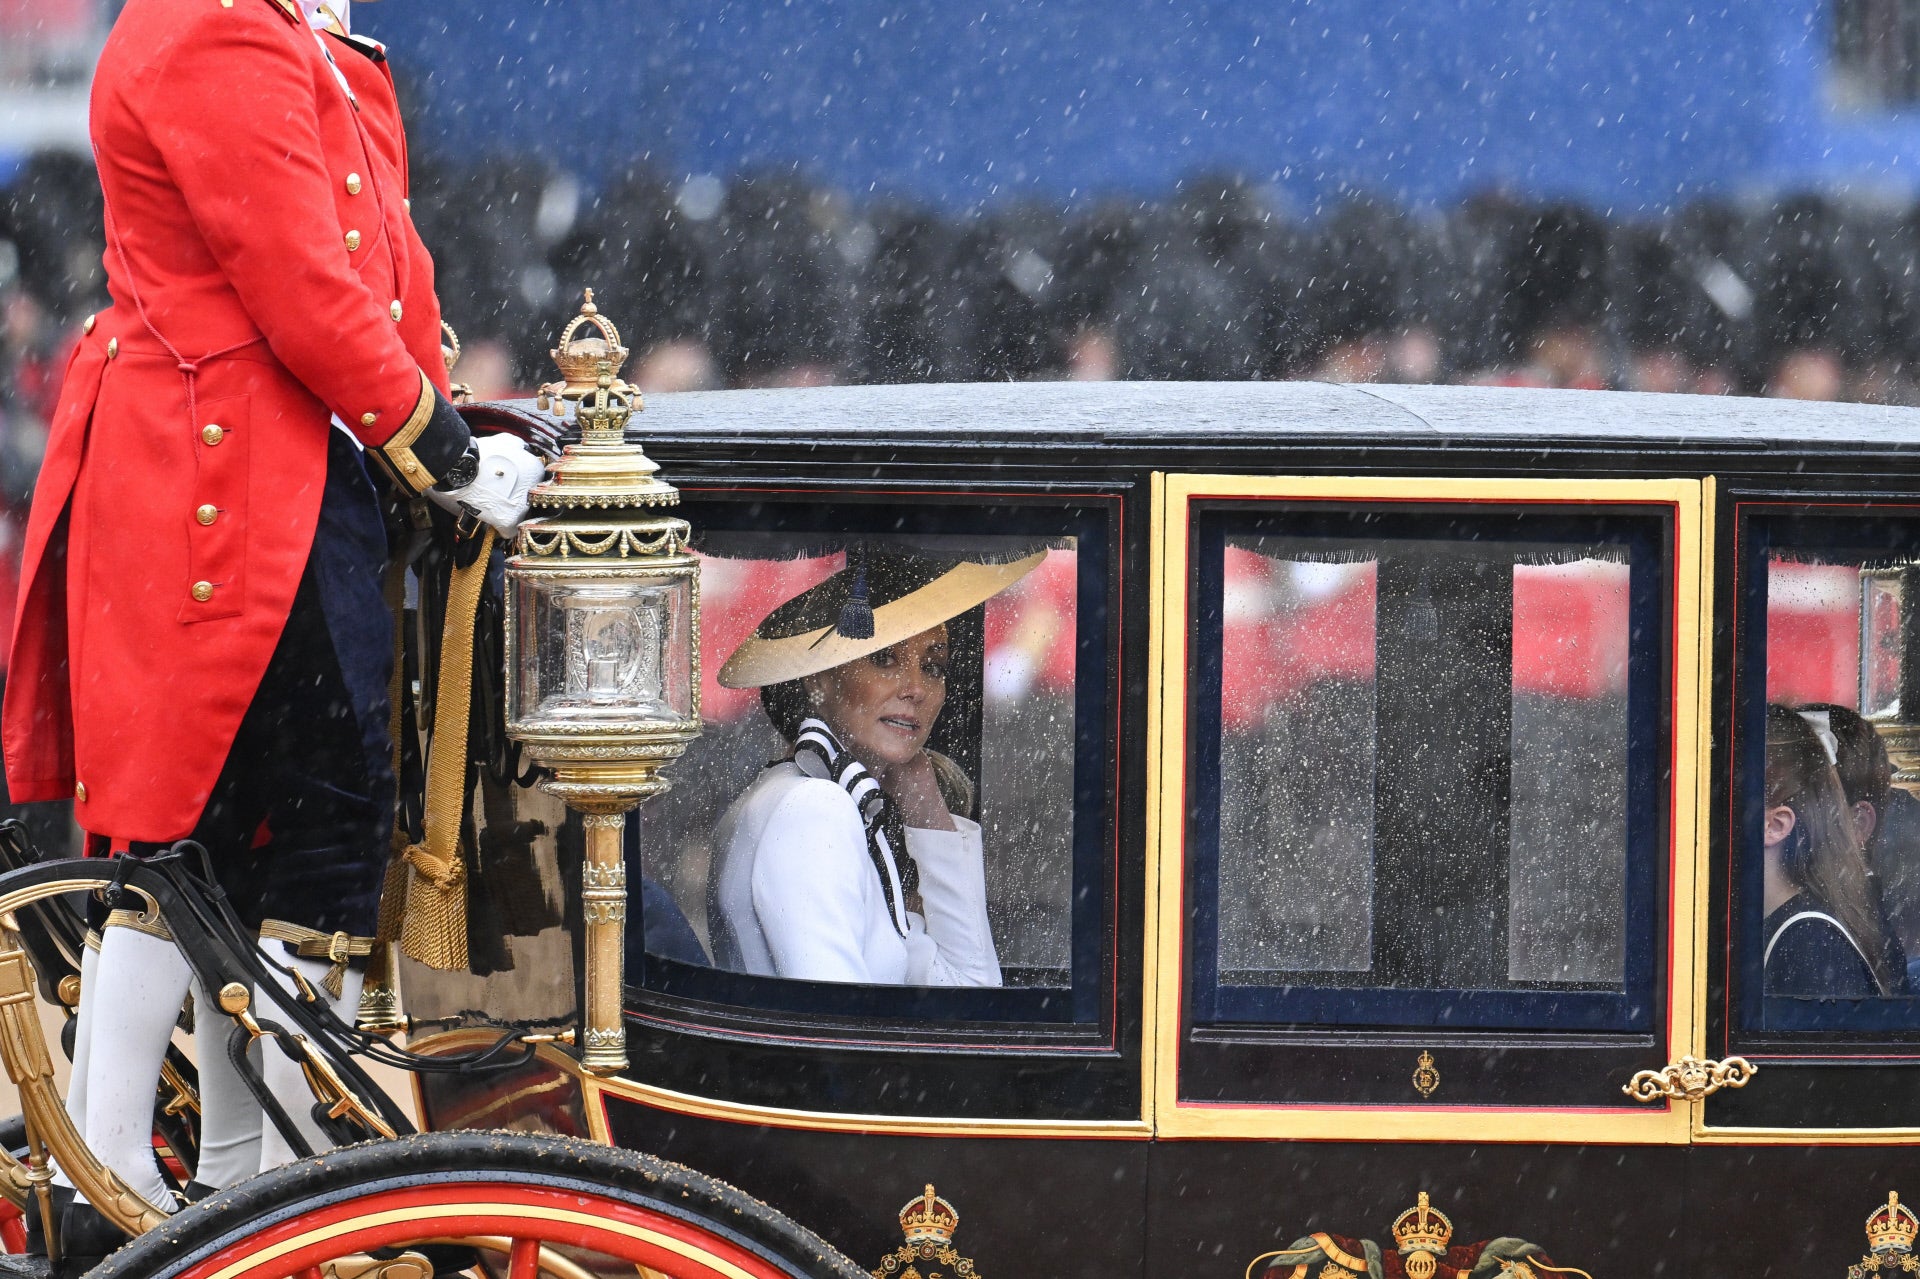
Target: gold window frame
1705 1134
1670 1122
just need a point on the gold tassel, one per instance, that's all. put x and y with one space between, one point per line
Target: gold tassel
435 927
393 908
309 944
435 931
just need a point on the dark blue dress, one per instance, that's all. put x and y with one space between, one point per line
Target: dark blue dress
1809 955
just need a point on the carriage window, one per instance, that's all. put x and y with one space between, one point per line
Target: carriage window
1430 753
895 805
1828 826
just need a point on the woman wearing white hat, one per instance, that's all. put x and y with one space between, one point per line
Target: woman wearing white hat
853 859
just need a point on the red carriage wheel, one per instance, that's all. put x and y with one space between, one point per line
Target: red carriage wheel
537 1206
13 1221
13 1229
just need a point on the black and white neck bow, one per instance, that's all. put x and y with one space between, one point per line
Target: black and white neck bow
818 753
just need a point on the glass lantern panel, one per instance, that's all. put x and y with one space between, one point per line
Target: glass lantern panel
603 648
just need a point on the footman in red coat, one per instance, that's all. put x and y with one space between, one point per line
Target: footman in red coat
201 648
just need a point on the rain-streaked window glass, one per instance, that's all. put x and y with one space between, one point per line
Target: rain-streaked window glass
1429 762
1828 823
898 783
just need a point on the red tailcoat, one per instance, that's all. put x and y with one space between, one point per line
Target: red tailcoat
253 209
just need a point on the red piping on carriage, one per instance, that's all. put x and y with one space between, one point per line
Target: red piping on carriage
1822 1052
1673 835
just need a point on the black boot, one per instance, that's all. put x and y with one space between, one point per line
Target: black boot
86 1238
36 1233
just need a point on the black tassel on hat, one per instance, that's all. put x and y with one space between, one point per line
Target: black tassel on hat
856 615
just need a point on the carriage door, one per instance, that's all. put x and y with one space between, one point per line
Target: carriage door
1427 797
1815 868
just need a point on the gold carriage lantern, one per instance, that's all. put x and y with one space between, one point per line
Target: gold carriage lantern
603 653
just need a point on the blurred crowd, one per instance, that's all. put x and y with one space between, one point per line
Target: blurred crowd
770 280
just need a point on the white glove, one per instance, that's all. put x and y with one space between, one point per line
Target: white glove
498 494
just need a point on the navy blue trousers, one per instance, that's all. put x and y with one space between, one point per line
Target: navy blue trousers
311 766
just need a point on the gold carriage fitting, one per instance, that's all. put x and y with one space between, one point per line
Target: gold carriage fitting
602 639
1422 1233
1890 1234
1423 1236
928 1222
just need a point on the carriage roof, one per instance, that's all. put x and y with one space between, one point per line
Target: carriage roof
1227 416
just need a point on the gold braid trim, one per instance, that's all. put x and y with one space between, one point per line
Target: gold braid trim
397 452
138 922
435 929
92 941
309 943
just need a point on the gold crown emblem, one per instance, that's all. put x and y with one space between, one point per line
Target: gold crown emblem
1892 1226
929 1219
1422 1232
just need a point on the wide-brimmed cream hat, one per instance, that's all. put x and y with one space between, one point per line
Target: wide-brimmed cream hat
820 628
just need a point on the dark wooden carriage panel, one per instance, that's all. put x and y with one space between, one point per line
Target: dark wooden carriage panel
839 1119
1028 1206
1785 1209
1216 1205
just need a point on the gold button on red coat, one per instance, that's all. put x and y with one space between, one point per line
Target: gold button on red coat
212 434
80 791
203 591
368 419
207 514
353 241
394 310
113 347
86 325
353 184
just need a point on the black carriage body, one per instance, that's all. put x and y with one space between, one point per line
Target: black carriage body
1165 1104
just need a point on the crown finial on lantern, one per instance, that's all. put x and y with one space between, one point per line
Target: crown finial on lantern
584 360
599 466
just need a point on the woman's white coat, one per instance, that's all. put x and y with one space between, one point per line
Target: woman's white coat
793 893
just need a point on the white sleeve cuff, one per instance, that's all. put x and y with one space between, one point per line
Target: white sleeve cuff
953 889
